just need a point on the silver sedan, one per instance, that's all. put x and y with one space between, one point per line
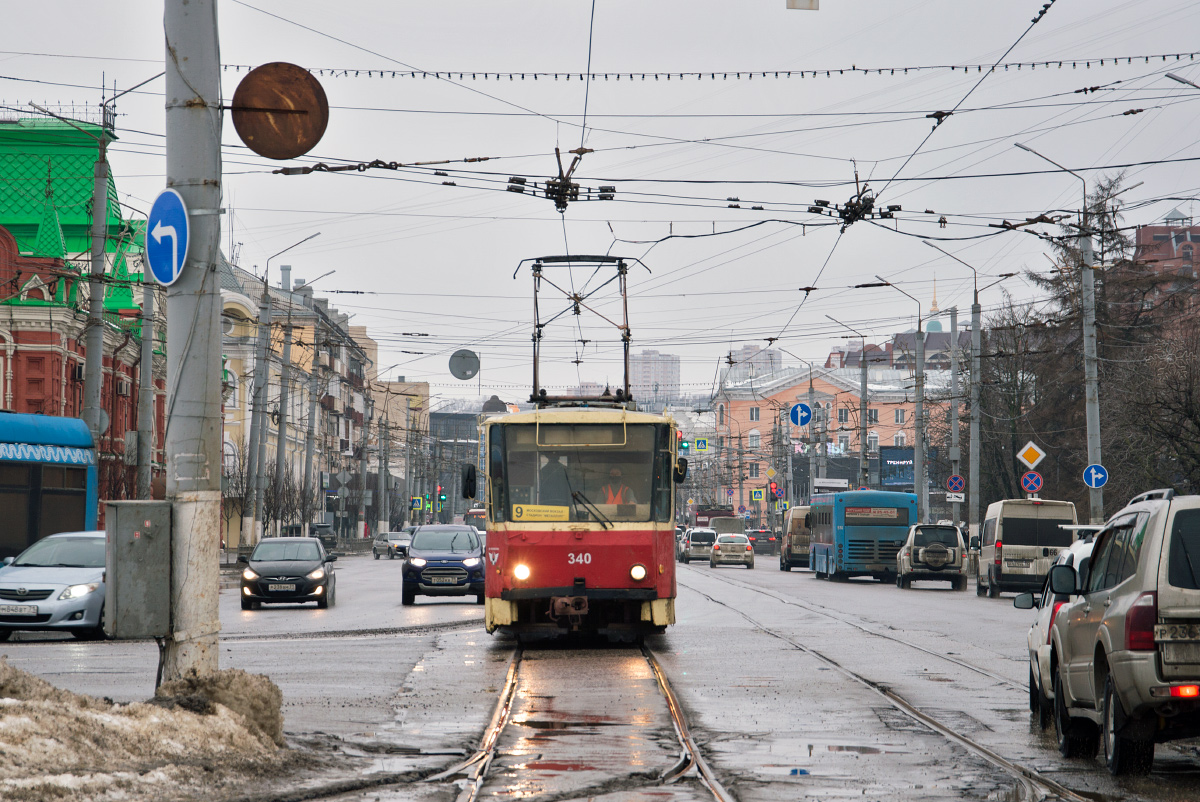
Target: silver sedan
731 550
57 584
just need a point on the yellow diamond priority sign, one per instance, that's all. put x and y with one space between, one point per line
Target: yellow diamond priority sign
1031 455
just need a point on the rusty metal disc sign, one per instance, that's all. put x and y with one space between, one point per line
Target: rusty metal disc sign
280 110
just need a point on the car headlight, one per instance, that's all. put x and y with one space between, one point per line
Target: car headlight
317 574
471 562
250 575
78 591
637 573
417 562
521 572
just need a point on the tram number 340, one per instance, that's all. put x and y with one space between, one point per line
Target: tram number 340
579 558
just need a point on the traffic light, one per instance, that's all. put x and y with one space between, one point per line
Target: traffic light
441 495
683 444
774 487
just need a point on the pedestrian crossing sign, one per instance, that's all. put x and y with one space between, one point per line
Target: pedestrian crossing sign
416 502
702 444
756 495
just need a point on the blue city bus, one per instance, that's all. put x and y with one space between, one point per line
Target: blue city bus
858 532
47 479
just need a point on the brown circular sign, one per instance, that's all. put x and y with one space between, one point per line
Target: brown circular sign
280 110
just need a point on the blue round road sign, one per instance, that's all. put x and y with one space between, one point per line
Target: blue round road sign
801 414
779 492
741 508
955 483
729 493
1095 476
1031 481
167 233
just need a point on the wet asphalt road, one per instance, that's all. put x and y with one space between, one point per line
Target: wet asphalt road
758 658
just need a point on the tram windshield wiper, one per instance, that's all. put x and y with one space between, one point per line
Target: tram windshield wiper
577 495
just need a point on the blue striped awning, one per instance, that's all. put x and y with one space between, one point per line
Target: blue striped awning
29 452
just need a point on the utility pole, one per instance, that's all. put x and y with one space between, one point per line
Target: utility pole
973 467
791 495
312 436
812 437
193 436
919 483
382 504
410 478
285 378
257 460
863 470
146 395
360 528
955 450
93 366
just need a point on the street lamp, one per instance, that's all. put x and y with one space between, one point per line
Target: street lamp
920 486
267 270
864 474
1182 80
1091 376
973 458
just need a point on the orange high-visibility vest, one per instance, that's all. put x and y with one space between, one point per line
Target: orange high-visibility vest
617 497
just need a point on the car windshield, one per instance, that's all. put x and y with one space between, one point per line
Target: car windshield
731 539
700 536
285 551
398 536
64 552
928 535
444 540
581 472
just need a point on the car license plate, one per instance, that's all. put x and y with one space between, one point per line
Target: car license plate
18 609
289 587
1019 563
1177 632
442 580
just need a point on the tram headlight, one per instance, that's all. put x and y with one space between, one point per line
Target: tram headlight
637 573
521 572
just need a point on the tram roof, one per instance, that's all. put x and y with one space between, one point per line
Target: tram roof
44 430
578 415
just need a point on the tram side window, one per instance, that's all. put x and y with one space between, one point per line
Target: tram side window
14 509
64 500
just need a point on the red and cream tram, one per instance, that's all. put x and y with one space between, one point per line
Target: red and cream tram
580 521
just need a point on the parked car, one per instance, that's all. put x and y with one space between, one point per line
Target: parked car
932 551
1021 540
697 544
322 531
763 540
1126 651
1041 680
288 570
57 584
731 550
679 541
443 560
393 544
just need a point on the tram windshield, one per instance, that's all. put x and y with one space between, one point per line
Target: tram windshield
581 472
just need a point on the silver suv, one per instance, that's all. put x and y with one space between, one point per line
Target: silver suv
932 551
1126 652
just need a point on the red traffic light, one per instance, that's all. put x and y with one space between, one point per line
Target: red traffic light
774 487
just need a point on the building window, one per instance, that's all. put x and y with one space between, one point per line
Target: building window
754 413
873 443
843 415
754 440
872 416
844 442
900 440
720 443
753 470
721 415
899 416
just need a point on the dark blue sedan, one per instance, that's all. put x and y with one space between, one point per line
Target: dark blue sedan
445 560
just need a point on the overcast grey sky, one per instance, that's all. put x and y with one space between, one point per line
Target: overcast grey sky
441 258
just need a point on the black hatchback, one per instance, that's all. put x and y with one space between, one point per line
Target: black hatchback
288 570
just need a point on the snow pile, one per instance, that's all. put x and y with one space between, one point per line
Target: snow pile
55 744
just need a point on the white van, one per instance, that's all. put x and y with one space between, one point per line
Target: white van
1021 539
793 551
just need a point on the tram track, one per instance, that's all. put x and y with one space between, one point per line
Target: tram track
824 611
1031 785
473 772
